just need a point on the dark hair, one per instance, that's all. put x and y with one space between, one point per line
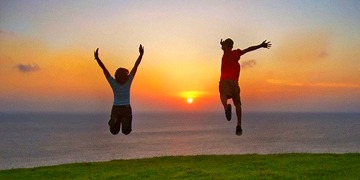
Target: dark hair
121 75
229 43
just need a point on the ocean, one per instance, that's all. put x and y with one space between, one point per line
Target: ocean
43 139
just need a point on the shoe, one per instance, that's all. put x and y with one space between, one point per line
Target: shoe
228 112
238 130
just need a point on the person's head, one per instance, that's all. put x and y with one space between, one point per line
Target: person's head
229 43
121 75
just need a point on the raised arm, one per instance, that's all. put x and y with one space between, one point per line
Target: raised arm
96 55
134 69
264 44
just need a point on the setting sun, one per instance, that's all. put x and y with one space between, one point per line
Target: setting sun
190 100
190 95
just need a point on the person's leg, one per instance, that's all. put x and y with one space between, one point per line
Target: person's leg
238 113
239 118
114 123
225 94
224 99
127 120
237 103
227 107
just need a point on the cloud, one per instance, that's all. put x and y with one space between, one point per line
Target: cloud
323 54
248 64
300 84
27 67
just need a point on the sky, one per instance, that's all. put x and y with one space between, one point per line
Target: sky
47 63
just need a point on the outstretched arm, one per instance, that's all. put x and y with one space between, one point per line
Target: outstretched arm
134 69
264 44
96 55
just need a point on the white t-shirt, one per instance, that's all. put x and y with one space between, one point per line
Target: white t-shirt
121 91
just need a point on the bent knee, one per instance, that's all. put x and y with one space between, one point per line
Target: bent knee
237 104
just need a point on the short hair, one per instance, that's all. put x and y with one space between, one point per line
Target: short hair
121 75
229 42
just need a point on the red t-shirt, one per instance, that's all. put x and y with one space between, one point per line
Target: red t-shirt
230 67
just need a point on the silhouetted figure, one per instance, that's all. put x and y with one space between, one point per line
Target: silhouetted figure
230 71
121 114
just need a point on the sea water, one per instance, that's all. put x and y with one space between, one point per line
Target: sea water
41 139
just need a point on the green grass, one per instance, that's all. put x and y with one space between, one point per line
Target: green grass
252 166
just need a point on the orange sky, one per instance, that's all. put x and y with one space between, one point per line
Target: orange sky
46 54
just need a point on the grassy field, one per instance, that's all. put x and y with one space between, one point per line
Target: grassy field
278 166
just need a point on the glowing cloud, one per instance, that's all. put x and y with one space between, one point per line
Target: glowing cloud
192 94
27 67
248 64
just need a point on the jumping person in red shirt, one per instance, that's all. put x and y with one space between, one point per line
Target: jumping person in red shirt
230 71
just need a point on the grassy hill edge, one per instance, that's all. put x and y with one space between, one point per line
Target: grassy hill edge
249 166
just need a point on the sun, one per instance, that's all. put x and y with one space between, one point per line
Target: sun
191 95
190 100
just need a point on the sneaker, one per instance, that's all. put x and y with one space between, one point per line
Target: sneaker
238 130
228 112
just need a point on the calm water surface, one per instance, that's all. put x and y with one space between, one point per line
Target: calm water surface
29 140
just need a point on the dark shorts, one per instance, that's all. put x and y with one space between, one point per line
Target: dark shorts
120 116
231 89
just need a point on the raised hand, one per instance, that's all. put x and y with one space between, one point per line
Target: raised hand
265 44
141 49
96 54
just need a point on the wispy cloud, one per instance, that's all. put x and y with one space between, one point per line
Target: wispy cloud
248 64
27 67
300 84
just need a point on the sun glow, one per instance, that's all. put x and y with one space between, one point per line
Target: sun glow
190 100
191 95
